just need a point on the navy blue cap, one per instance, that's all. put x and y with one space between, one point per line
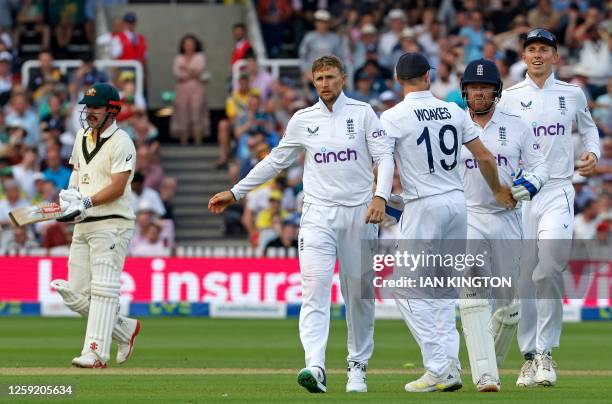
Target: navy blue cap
411 65
540 35
130 17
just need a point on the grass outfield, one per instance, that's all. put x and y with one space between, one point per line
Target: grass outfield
193 360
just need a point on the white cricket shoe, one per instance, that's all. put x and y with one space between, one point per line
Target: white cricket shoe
488 383
313 379
545 370
451 381
527 374
356 378
125 349
89 360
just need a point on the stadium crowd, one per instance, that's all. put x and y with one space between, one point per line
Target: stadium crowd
39 120
370 37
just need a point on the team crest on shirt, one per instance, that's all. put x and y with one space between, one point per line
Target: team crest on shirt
313 132
526 106
350 128
85 179
562 107
503 140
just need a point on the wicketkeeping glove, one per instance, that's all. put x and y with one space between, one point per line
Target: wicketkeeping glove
525 185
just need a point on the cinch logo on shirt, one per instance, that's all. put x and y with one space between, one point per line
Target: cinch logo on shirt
551 130
433 114
473 163
325 156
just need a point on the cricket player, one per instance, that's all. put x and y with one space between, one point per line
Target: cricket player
428 135
341 137
487 337
549 107
103 161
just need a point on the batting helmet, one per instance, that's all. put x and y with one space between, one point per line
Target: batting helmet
481 71
101 95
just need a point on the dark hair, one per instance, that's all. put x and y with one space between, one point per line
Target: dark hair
239 25
198 44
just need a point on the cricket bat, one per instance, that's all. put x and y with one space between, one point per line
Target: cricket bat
36 213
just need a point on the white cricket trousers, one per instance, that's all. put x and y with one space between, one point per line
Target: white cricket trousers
487 232
548 225
327 233
432 321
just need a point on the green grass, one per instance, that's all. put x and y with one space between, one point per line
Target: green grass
267 355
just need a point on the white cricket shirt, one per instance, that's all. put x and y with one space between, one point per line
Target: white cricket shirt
428 135
509 139
550 112
340 146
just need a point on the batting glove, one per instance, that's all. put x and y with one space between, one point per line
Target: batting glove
395 207
75 211
70 195
525 185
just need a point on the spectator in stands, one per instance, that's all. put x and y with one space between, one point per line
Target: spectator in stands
31 18
144 133
105 41
149 165
56 234
67 16
446 81
389 40
367 42
16 136
21 111
544 16
44 78
18 240
273 17
12 200
56 172
602 114
129 44
234 105
126 85
84 76
167 191
6 77
585 223
583 192
151 244
55 113
595 55
242 45
259 79
363 89
319 42
408 43
6 14
603 230
269 221
473 37
191 118
142 196
25 172
604 166
286 242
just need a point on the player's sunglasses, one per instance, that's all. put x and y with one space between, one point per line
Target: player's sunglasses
543 35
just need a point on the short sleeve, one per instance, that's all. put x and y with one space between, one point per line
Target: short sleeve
124 156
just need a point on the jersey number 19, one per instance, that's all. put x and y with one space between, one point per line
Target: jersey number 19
452 151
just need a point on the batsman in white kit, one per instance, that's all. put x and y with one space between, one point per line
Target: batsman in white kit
103 162
428 135
549 107
341 138
488 336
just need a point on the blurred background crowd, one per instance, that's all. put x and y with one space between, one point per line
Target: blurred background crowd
38 120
